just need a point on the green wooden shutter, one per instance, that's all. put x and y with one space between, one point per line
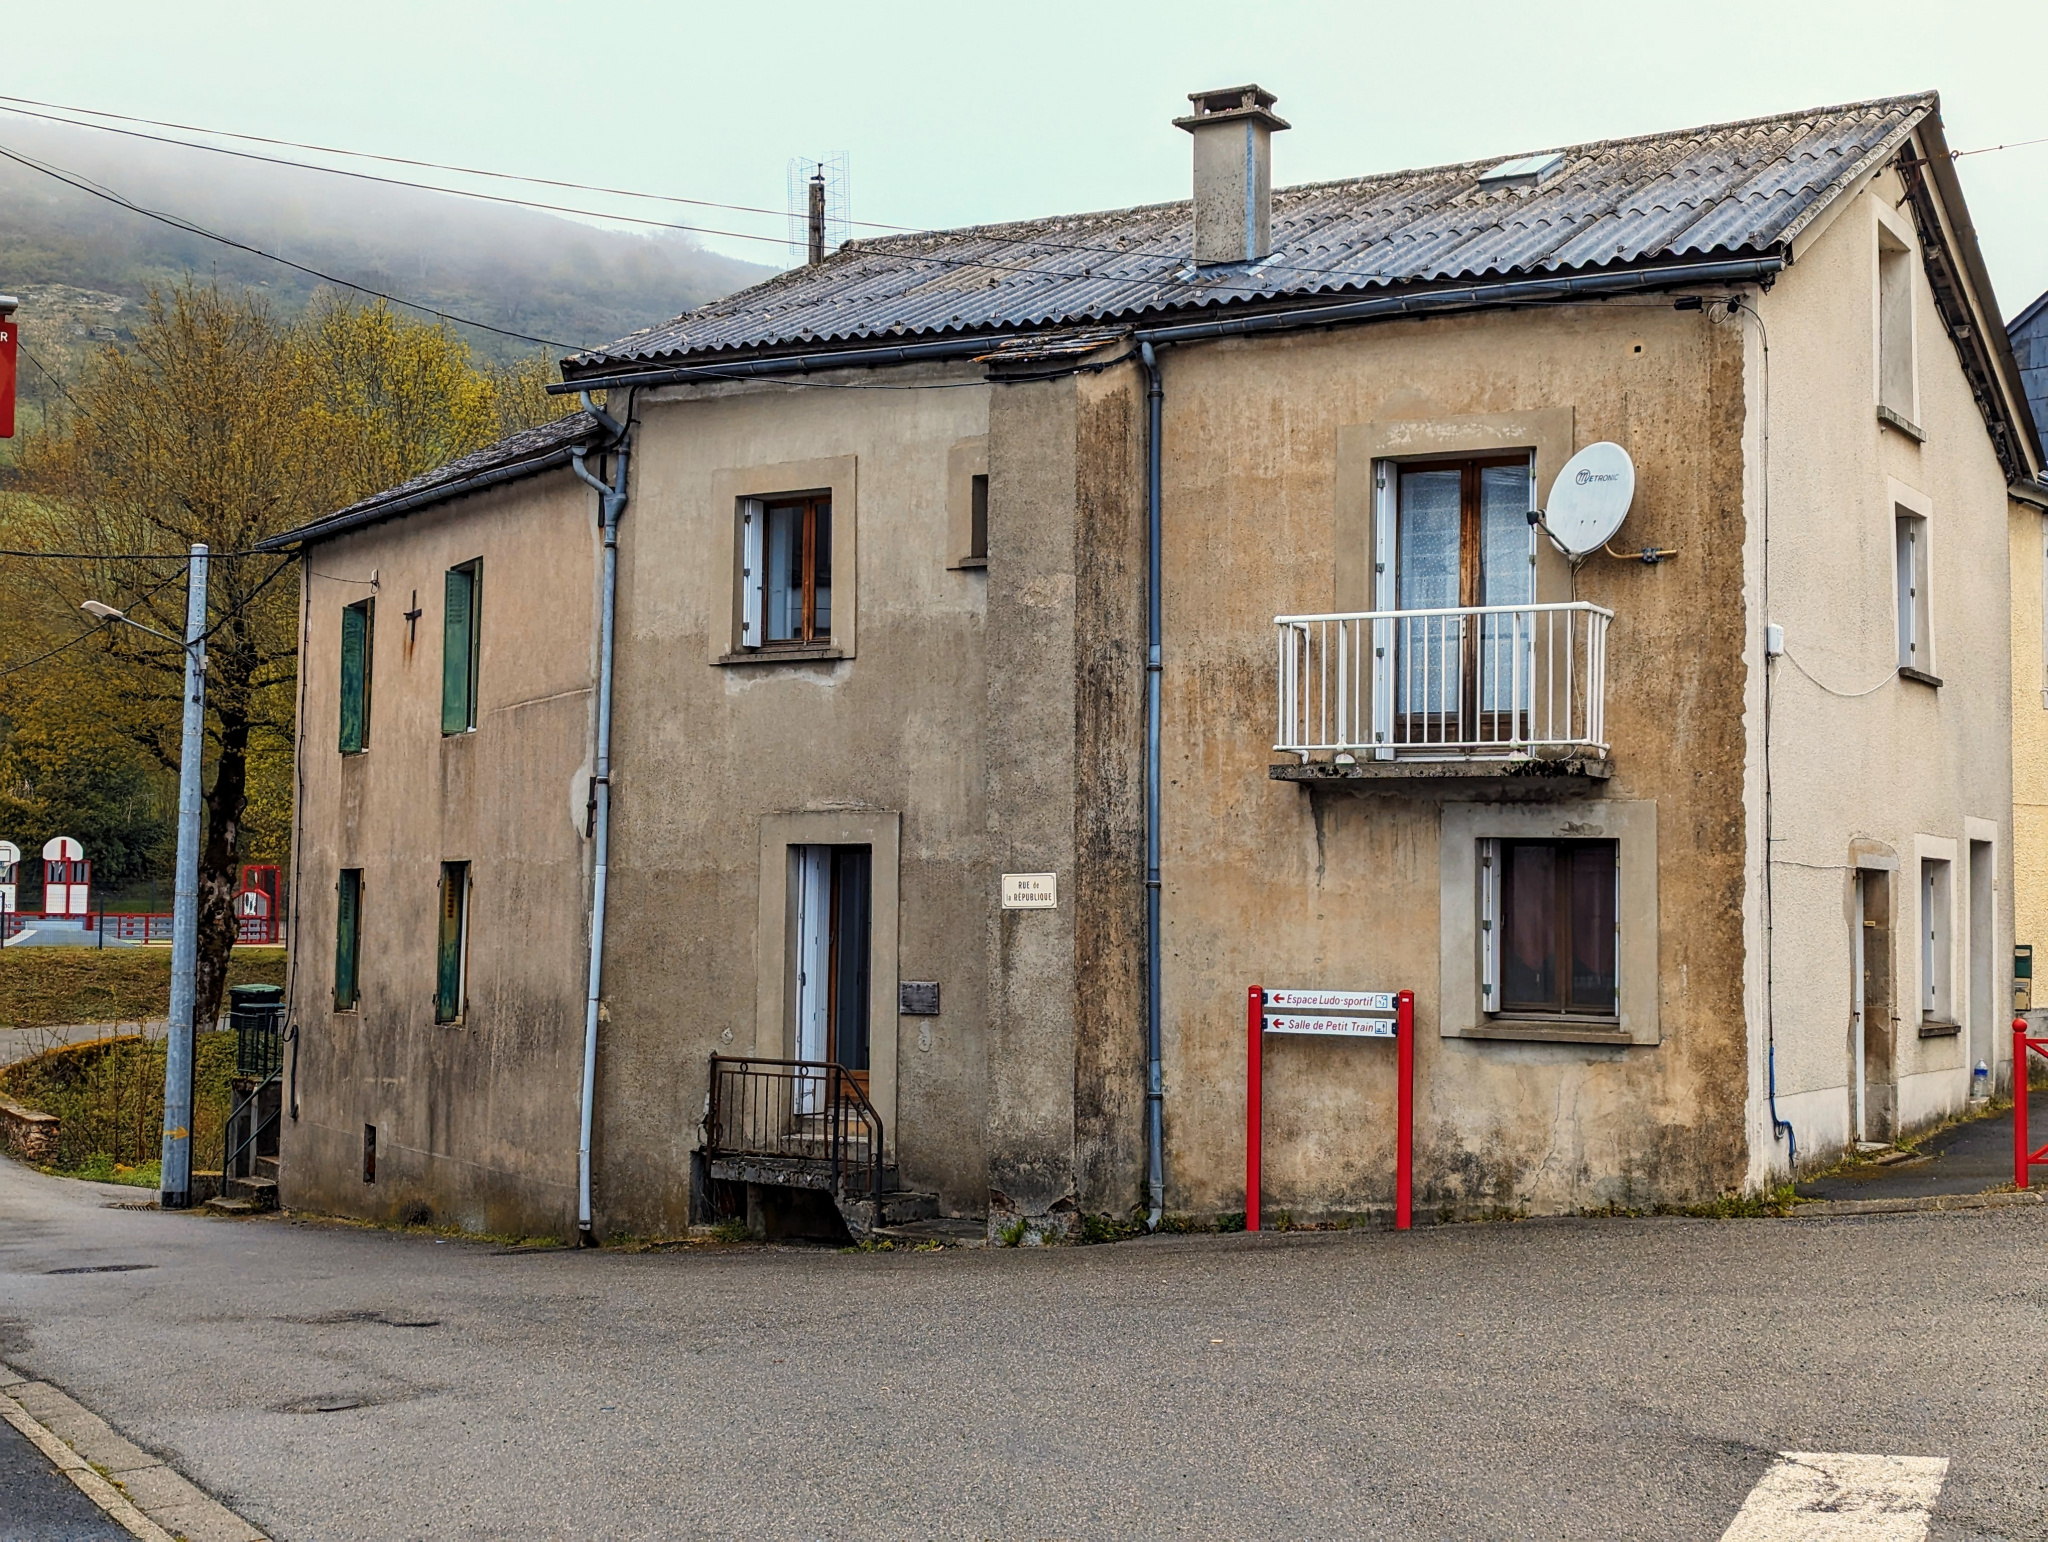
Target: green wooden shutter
355 678
347 934
448 974
458 652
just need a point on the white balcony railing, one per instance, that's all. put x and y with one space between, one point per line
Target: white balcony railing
1478 682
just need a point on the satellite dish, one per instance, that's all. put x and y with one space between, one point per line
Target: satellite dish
1590 498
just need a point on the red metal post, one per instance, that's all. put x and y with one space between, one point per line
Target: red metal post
7 347
2020 1151
1254 1132
1404 1108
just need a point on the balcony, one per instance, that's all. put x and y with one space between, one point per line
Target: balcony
1476 691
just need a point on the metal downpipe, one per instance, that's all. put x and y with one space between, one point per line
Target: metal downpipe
612 499
1155 1087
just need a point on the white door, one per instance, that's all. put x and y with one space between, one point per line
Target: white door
1858 1079
813 877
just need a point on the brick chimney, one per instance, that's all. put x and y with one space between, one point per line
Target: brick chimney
1233 131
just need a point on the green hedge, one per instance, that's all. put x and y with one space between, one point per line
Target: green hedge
110 1095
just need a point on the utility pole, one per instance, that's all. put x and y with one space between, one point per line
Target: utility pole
176 1183
816 223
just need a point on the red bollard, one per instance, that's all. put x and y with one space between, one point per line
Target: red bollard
2020 1151
1404 1108
1254 1134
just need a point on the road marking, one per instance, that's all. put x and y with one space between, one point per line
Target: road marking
1839 1496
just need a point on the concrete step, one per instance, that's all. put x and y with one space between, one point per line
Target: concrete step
899 1207
266 1167
907 1205
220 1204
260 1192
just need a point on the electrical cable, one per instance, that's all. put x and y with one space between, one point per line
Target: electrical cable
1778 1125
1034 241
390 160
1845 695
453 192
72 179
15 669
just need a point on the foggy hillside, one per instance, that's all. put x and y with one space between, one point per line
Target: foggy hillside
79 263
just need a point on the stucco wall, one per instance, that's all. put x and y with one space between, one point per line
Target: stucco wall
705 751
1868 766
1270 883
477 1120
2027 530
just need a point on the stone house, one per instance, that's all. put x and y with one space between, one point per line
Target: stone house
857 757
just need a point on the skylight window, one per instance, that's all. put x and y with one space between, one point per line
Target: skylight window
1524 170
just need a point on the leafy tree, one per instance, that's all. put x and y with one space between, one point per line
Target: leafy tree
218 423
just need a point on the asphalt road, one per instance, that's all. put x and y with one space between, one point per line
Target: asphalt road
39 1504
1559 1380
1963 1159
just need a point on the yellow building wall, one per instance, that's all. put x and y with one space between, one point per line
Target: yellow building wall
2028 541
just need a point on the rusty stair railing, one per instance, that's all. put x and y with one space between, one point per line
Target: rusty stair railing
805 1116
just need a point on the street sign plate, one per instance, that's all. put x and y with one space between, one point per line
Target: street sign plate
1331 1001
1031 891
1330 1027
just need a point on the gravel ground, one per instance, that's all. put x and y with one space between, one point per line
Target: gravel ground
1573 1379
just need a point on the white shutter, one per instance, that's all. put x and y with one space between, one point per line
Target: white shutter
1489 926
753 569
1383 594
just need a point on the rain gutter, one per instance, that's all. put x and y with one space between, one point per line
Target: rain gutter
612 504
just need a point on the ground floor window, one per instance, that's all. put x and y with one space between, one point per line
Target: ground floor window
1551 932
452 945
348 936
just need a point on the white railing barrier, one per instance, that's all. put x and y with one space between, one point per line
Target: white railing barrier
1468 682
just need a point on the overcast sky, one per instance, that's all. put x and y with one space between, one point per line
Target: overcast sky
956 114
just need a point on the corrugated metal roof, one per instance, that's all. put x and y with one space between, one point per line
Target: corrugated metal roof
525 453
1729 188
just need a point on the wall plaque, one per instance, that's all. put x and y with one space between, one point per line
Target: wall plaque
1031 891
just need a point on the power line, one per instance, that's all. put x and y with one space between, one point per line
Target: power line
176 222
398 160
453 192
1037 242
2017 144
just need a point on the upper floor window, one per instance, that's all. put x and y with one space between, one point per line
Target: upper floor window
356 629
1910 561
1896 389
786 571
460 647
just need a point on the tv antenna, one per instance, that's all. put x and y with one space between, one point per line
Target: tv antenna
820 207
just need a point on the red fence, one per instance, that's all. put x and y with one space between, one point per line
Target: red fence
2023 1155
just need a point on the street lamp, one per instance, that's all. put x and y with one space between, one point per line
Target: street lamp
175 1184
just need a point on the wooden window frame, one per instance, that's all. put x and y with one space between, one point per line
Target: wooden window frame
808 633
1560 1006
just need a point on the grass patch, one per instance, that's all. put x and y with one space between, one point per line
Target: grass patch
104 1169
1726 1207
116 985
109 1093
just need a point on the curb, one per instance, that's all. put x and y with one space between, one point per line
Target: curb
140 1493
1824 1209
